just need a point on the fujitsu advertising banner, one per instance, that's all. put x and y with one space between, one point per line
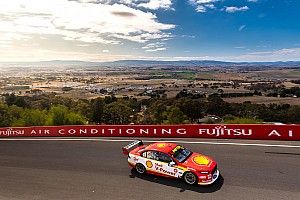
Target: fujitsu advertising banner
255 132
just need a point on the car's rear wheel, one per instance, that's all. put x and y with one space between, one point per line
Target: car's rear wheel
190 178
140 168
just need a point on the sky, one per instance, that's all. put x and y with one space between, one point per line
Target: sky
107 30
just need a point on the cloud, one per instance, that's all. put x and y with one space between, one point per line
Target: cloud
203 5
153 45
123 14
105 51
148 4
233 9
278 52
242 27
83 45
86 26
85 21
157 46
23 55
187 36
157 49
144 37
288 54
156 4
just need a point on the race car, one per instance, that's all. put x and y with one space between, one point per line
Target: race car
171 160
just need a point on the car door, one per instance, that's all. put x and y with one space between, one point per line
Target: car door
160 163
166 165
151 160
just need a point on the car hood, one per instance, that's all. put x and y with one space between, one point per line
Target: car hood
200 162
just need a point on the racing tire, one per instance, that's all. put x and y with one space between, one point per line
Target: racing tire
140 168
190 178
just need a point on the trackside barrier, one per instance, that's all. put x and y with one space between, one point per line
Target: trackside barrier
217 131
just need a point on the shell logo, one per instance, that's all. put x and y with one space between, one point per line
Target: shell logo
161 145
201 160
149 164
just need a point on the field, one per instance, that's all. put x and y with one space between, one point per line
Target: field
265 100
146 82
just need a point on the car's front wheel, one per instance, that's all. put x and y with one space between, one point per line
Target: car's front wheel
190 178
140 168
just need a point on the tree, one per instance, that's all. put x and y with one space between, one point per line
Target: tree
10 99
15 111
34 117
84 108
293 114
243 121
193 109
16 100
117 113
216 106
97 110
16 115
5 116
156 111
57 115
63 101
215 98
175 115
109 99
42 104
61 115
74 119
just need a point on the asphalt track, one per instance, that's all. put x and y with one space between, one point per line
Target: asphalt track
97 170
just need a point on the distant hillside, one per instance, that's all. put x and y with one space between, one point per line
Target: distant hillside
153 63
166 63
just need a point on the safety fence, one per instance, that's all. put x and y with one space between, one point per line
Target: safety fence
220 131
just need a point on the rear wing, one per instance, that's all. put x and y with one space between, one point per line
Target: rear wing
132 146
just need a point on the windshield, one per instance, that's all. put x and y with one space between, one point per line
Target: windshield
181 154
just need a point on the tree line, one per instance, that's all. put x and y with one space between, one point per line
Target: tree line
50 109
272 90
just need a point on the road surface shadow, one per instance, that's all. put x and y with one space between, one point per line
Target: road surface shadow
177 183
282 153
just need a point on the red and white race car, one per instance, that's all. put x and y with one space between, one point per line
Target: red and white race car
171 160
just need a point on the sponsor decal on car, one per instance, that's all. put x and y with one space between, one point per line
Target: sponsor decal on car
135 159
149 164
161 145
201 160
164 171
158 165
182 168
176 149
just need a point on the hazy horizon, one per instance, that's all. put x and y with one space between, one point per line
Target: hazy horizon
150 60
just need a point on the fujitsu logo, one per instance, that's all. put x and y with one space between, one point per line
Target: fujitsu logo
223 130
11 132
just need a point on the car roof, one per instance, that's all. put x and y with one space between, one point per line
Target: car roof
165 147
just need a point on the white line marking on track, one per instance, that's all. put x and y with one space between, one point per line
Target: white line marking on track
147 141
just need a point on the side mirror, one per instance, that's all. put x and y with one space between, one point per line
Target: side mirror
172 164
